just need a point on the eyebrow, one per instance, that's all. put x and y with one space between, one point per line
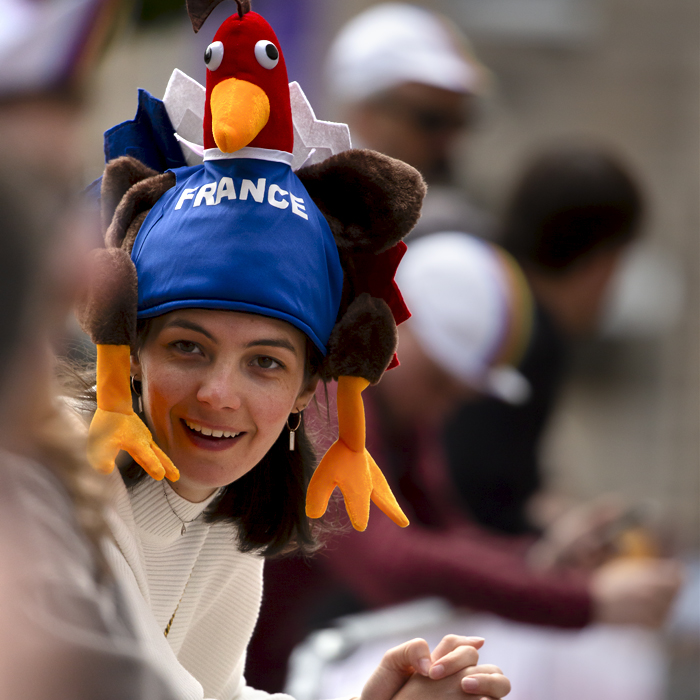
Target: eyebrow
273 342
268 342
190 326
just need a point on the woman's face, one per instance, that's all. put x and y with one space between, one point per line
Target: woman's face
218 387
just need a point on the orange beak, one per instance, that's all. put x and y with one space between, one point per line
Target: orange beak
239 112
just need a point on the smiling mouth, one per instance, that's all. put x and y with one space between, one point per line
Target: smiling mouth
209 433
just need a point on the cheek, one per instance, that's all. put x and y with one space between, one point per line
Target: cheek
158 406
271 405
272 408
162 390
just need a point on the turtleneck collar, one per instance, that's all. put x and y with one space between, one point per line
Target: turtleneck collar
159 512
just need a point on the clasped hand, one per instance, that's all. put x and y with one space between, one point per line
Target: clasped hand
452 672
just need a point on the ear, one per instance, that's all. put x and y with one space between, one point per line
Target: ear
370 201
135 365
307 393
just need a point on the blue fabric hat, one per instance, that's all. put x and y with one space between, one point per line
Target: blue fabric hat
241 233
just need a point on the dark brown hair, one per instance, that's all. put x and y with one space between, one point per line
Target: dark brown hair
571 201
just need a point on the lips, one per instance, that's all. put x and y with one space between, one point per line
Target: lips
210 438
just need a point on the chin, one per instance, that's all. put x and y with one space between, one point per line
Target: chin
209 476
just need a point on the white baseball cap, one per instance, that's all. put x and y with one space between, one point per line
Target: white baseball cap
471 311
394 43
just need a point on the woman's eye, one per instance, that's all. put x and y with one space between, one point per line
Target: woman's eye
188 347
267 54
265 362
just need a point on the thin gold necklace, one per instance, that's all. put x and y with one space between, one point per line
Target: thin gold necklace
166 631
185 523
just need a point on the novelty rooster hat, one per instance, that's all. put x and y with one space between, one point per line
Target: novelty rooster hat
317 248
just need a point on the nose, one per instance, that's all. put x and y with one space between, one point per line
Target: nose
221 387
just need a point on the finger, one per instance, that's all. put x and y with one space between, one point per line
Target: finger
147 458
493 685
482 668
451 641
397 666
457 660
382 496
171 471
413 656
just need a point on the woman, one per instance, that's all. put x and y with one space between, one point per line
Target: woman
225 292
220 390
216 389
191 548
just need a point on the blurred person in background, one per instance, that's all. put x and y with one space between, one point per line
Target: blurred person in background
408 85
574 212
471 318
63 633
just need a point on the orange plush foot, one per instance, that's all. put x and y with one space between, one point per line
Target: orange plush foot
349 466
115 426
349 471
111 432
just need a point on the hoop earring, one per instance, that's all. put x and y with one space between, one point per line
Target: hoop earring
137 392
292 431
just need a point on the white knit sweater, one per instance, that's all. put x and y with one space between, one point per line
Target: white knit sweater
215 588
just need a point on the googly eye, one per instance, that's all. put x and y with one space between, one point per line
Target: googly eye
267 53
214 55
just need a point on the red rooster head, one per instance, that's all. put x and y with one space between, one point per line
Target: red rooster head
247 99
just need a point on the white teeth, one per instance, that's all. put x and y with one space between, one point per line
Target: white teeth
208 431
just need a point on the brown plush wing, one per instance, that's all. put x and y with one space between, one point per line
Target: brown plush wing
370 201
120 175
107 311
362 342
133 208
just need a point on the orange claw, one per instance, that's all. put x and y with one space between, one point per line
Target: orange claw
382 497
115 426
349 471
111 432
349 466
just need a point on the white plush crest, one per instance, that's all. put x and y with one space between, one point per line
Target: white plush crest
314 140
184 102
